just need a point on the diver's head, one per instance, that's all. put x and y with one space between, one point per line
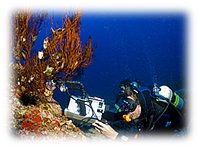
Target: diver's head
128 94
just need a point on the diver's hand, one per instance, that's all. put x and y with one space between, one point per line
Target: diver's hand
105 129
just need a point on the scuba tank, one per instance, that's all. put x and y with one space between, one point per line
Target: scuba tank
174 108
165 94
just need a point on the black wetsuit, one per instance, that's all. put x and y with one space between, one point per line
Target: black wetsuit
151 112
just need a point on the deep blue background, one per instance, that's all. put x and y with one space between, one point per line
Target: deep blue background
146 47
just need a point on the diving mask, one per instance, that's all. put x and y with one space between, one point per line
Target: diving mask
129 105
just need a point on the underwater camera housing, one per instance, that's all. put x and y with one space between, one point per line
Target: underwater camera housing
82 108
92 107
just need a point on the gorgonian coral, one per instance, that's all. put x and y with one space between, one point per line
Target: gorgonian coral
61 52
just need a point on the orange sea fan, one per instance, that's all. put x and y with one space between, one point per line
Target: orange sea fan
62 51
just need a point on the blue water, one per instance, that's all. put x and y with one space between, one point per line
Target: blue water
147 47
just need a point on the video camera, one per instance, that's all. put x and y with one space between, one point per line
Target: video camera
82 107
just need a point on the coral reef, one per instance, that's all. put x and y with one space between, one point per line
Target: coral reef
62 52
33 71
41 120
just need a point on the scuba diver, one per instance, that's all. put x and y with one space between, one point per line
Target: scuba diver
142 110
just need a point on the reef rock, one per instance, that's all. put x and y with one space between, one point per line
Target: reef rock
42 119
